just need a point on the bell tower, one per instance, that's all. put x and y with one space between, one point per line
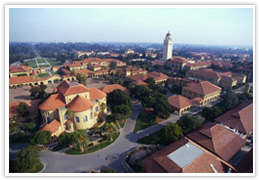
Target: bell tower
167 47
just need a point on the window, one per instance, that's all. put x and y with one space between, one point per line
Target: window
91 115
96 108
65 117
77 119
85 118
48 119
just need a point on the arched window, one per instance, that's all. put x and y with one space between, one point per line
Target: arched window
85 118
48 119
91 115
96 108
65 117
77 119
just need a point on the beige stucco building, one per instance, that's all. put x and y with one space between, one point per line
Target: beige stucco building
85 104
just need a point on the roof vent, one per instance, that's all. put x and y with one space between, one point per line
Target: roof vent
211 165
187 145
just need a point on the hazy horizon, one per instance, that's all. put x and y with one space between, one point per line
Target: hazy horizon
199 26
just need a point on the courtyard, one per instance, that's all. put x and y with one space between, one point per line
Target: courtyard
22 93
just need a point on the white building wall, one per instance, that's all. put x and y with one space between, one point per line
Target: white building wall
167 48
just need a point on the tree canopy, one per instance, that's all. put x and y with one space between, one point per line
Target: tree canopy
118 97
189 123
82 78
22 109
172 133
41 137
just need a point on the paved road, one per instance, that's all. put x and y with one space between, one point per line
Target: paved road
112 156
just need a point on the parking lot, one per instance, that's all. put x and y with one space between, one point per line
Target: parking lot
20 94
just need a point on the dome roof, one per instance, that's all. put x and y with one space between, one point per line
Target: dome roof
79 103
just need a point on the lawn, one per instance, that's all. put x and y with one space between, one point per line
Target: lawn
32 63
41 61
144 120
154 138
93 148
44 65
54 62
43 75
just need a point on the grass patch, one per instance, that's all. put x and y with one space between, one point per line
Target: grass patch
154 138
32 63
43 75
93 148
54 62
144 120
41 61
44 65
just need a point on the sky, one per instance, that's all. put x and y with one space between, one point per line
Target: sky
216 26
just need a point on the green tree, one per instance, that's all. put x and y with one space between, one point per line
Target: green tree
118 97
22 109
140 92
81 140
229 101
162 108
172 133
189 123
139 167
27 158
41 137
111 128
37 91
116 80
148 101
65 139
122 109
82 78
69 113
128 83
72 72
211 113
25 63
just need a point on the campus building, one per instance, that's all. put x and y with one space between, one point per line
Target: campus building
157 76
239 119
15 71
201 92
185 156
85 103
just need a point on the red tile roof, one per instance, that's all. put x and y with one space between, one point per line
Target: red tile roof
73 64
202 87
179 102
85 71
53 127
20 80
139 82
68 88
65 71
109 88
79 103
15 69
240 117
159 162
157 62
69 122
53 102
157 75
206 73
96 94
226 78
32 107
218 140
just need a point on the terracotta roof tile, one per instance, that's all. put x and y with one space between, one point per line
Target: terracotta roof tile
53 102
20 80
160 162
179 102
109 88
202 87
53 127
69 122
68 88
79 103
96 94
242 121
14 69
85 71
218 140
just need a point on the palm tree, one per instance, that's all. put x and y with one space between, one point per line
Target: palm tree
81 141
111 129
103 107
